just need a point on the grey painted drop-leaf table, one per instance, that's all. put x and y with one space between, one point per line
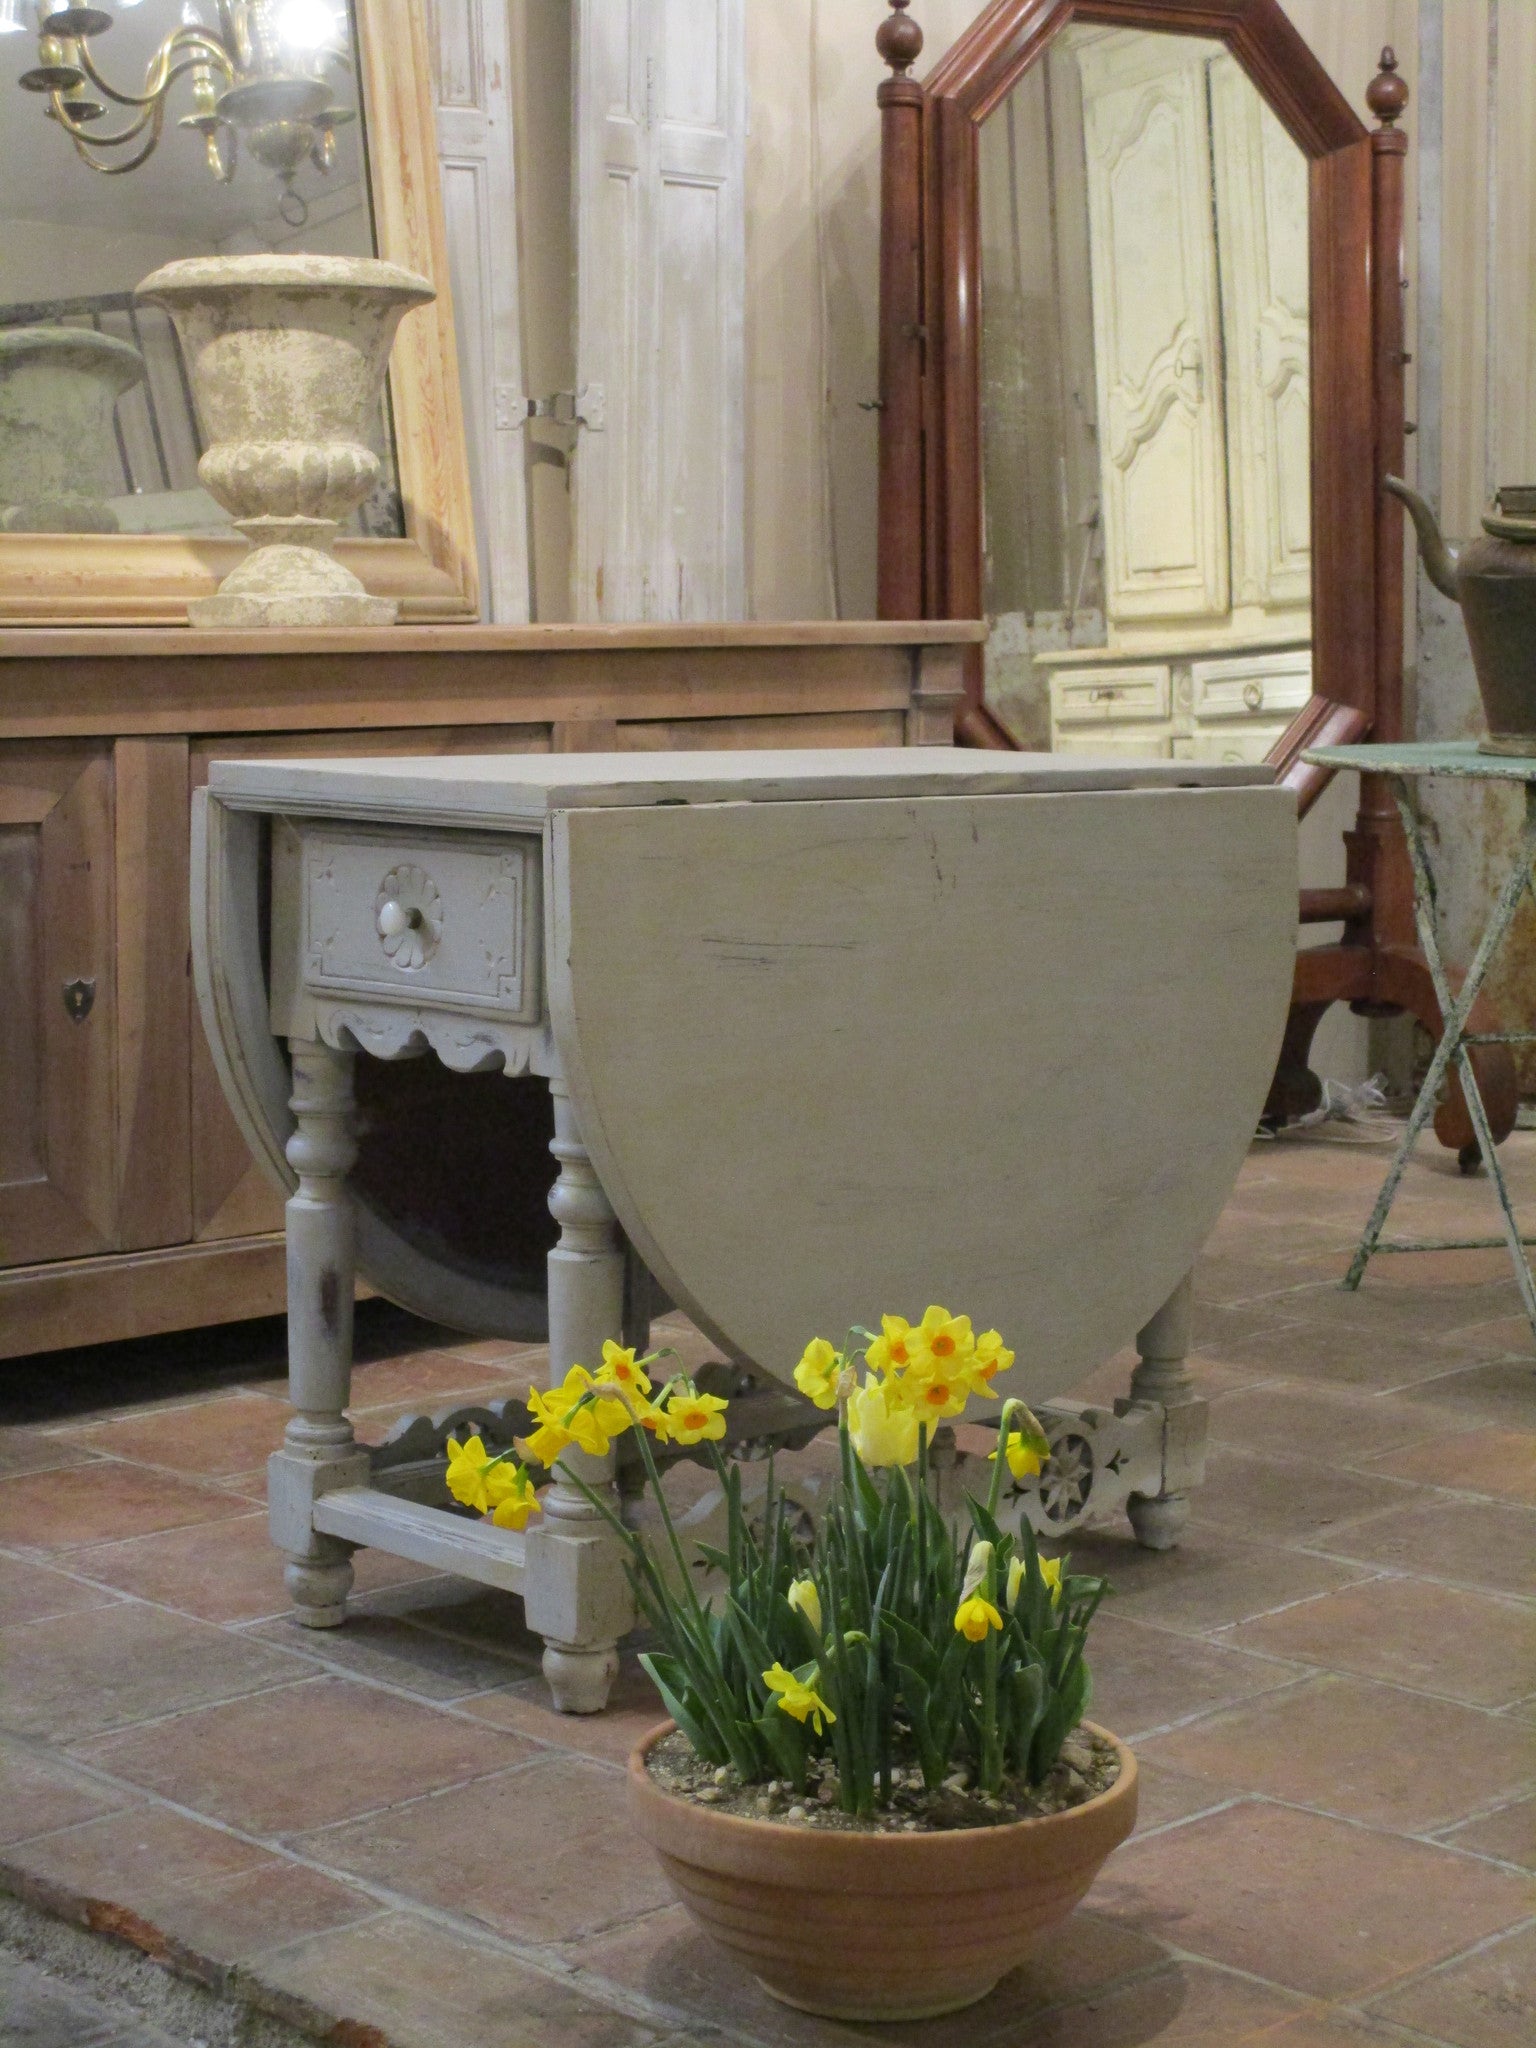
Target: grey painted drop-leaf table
826 1034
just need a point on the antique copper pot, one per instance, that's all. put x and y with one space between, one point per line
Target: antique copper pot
1493 579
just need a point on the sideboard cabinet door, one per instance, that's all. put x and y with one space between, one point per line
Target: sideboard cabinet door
58 1165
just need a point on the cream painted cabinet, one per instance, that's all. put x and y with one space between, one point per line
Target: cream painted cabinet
1197 209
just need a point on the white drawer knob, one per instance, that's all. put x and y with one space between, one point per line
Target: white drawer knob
1253 695
394 919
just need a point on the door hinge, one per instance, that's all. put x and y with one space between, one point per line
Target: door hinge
583 408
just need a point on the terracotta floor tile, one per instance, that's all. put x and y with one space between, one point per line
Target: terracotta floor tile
64 1510
1211 1579
1287 1499
460 1851
432 1379
395 1652
1338 1354
205 1440
1163 1795
1478 1543
633 1707
1317 1905
482 1616
1144 1677
1509 1834
1487 2000
421 1985
1410 1632
1184 2005
1499 1392
80 1675
306 1756
1494 1336
140 1854
35 1450
1494 1461
232 1918
1338 1744
1320 1423
220 1571
31 1592
39 1793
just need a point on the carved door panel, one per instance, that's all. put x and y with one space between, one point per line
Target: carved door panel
1261 225
57 1002
1157 328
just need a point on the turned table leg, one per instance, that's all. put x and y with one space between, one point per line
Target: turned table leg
576 1594
319 1451
1162 1380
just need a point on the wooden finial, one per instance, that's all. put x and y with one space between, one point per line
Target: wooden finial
1387 94
899 39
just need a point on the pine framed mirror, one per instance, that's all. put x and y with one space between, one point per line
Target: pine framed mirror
74 241
1141 372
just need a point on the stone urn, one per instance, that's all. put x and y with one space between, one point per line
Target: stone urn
286 356
58 448
878 1926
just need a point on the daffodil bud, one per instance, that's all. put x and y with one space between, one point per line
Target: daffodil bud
977 1566
1015 1579
805 1600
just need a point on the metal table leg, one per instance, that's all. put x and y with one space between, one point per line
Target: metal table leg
1453 1046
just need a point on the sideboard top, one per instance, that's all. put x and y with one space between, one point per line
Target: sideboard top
159 643
528 787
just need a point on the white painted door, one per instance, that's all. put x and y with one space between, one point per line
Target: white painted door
479 179
660 238
1261 228
1157 327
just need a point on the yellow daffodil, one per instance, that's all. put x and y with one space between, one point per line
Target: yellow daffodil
941 1343
881 1424
990 1358
619 1369
1026 1450
934 1396
1015 1579
545 1444
1050 1571
475 1478
804 1598
975 1616
693 1417
579 1411
519 1500
796 1697
818 1372
890 1352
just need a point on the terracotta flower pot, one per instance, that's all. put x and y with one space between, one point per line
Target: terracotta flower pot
878 1927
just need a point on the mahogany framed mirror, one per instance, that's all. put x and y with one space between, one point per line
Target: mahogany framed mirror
1141 375
1214 240
74 242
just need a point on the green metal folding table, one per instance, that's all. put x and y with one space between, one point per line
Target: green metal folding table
1404 766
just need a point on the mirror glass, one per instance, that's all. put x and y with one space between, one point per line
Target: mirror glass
1145 403
258 145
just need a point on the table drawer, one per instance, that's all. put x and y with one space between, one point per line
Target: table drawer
400 918
1106 695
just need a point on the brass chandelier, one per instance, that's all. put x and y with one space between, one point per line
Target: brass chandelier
265 73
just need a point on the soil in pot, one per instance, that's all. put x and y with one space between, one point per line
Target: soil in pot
1088 1765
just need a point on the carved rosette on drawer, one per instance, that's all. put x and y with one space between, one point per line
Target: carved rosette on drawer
408 917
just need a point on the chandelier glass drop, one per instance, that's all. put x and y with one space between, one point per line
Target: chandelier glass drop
267 73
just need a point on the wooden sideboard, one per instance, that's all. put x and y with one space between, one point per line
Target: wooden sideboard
129 1203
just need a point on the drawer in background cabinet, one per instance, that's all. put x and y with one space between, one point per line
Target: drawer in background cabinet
1108 695
1252 685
